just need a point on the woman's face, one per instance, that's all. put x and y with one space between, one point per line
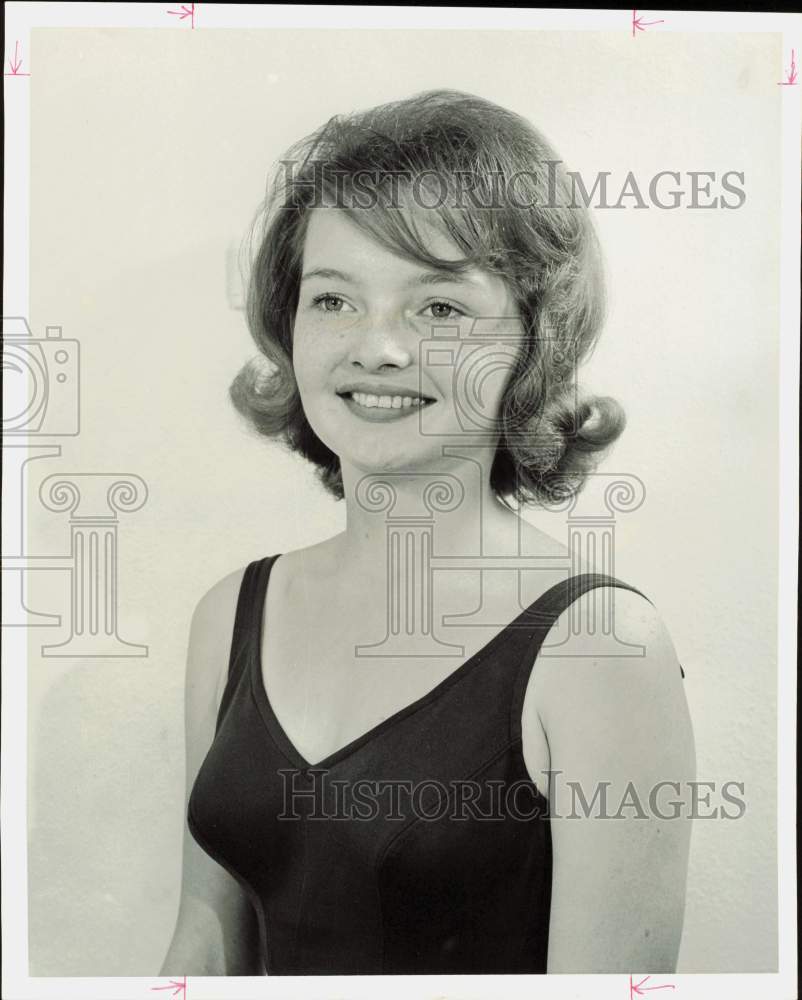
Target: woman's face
380 384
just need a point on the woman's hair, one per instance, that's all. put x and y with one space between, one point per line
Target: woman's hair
503 197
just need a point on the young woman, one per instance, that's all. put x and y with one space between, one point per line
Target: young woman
397 762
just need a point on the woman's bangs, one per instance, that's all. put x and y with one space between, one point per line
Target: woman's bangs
404 223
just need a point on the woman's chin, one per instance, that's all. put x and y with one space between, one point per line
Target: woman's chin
369 462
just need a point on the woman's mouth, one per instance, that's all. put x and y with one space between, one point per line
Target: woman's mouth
374 407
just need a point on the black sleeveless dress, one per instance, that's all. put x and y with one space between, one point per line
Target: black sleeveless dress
423 846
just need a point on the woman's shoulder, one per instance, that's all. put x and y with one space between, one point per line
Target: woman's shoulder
216 608
220 599
617 650
611 709
296 568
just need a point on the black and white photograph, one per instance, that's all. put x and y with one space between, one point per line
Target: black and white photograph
400 527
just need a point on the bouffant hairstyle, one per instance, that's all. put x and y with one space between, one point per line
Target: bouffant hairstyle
505 200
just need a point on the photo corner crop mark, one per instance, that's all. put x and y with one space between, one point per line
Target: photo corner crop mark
638 24
178 986
639 990
791 74
15 64
187 10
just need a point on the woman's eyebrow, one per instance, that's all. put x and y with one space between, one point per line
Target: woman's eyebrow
328 272
441 277
423 278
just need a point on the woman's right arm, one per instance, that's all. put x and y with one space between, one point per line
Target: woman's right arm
216 931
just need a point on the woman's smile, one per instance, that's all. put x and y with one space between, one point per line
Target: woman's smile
382 408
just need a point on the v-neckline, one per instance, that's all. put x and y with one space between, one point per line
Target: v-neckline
277 731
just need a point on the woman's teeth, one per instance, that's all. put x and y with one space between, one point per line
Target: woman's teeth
386 402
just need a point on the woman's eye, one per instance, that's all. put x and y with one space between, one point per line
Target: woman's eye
329 302
444 310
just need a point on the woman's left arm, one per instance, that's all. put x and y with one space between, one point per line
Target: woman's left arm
622 759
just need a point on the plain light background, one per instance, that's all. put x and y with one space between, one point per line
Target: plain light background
150 151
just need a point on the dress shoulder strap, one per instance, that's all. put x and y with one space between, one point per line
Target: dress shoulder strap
545 612
242 633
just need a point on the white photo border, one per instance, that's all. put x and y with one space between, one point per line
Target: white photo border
20 19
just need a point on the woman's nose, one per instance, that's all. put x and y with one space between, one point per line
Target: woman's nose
380 346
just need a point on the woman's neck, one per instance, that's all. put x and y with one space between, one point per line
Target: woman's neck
454 507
